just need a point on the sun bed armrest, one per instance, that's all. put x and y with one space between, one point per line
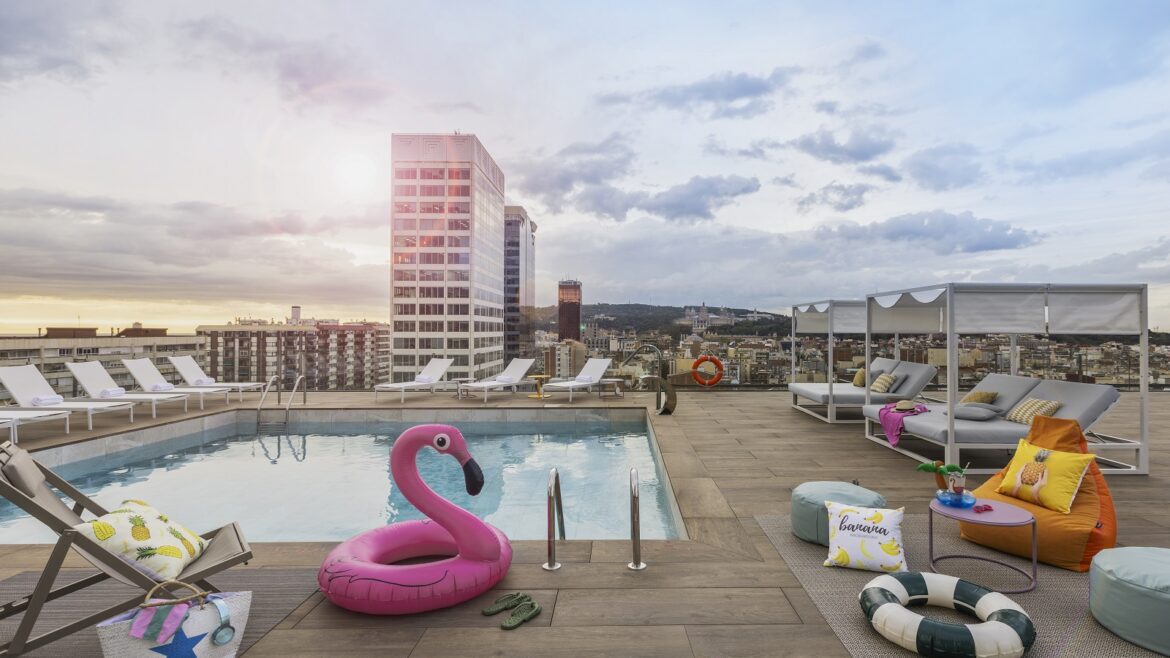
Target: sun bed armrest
82 502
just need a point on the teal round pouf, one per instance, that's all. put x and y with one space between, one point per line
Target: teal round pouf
810 519
1129 593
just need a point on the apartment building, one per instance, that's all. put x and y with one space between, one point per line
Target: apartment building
447 255
519 283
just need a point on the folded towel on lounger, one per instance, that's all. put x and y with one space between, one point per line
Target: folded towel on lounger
46 400
205 381
115 392
505 379
424 379
158 388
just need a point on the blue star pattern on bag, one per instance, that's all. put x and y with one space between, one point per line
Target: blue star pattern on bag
181 646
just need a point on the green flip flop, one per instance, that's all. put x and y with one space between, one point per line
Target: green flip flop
506 602
523 612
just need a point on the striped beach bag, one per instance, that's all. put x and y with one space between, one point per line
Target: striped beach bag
203 625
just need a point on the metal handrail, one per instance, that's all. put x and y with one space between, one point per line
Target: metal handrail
555 503
635 524
661 360
263 395
293 394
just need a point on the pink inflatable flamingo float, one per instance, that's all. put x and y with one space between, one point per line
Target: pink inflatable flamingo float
360 574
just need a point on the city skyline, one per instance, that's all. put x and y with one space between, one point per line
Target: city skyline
805 157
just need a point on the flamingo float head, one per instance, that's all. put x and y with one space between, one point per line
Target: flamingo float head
448 440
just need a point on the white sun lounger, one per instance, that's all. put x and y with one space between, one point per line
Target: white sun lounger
589 377
98 385
194 376
26 383
512 377
13 418
428 378
151 380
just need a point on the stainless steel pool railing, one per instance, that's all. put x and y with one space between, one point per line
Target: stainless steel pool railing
556 515
260 406
635 524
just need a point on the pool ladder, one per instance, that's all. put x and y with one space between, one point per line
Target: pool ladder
278 427
556 517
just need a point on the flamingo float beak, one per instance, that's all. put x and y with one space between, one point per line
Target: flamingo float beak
472 476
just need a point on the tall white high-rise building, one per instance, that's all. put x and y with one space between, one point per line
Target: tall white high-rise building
447 256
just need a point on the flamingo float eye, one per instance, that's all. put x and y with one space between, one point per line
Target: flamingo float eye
442 441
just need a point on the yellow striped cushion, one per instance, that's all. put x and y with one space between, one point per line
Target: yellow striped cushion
1025 411
882 383
981 397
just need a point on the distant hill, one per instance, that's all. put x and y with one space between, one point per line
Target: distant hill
648 317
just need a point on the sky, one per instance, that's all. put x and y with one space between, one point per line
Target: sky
187 163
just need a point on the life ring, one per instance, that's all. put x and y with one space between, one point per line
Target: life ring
1006 629
700 377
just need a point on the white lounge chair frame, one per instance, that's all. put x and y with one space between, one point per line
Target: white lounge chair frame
1019 308
513 374
190 371
830 317
26 383
94 379
146 374
13 418
594 369
434 370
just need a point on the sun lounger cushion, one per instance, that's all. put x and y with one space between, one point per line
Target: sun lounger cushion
932 426
971 412
1085 403
1025 411
146 538
1009 389
915 377
843 394
1068 541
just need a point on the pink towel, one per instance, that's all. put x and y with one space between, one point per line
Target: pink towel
894 421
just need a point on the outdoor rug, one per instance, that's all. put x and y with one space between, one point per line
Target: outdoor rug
1059 606
275 594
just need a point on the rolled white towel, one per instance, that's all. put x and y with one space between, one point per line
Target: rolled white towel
115 392
165 386
424 379
46 400
584 379
506 379
205 381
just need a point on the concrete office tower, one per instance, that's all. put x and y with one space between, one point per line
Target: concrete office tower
519 283
447 256
569 310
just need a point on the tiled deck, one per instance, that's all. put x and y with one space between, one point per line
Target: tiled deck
723 592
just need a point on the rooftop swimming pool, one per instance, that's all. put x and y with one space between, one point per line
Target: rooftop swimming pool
328 481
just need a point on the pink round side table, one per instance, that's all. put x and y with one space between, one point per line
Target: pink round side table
1002 514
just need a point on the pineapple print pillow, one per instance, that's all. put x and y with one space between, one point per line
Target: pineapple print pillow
146 538
1045 477
865 538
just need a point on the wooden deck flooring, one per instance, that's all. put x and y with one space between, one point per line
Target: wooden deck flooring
723 592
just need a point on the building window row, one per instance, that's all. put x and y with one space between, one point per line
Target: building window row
432 206
432 173
430 224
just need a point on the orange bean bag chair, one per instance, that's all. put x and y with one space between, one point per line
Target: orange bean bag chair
1068 541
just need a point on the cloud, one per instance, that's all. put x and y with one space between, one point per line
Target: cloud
460 106
786 181
945 167
583 164
939 231
757 149
699 197
870 51
306 73
1096 162
725 95
67 41
193 251
882 171
837 196
863 144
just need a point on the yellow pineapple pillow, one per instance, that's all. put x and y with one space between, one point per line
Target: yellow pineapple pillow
1025 411
865 538
146 538
1045 477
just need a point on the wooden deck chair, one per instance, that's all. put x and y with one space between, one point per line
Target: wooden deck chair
30 486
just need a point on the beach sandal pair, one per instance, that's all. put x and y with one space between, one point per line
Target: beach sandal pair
522 606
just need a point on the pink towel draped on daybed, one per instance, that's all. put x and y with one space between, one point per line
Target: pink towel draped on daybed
893 421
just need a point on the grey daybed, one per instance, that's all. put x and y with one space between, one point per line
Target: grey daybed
845 394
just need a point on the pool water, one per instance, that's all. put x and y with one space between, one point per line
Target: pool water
331 486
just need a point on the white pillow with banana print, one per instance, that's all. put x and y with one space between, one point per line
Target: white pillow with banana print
146 538
865 538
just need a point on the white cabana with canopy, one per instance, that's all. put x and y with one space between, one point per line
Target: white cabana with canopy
830 317
956 309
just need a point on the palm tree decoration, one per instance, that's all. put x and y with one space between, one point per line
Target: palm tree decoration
944 472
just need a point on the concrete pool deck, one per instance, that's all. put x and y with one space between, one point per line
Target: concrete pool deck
725 591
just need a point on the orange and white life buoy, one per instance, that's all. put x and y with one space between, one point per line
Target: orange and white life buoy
701 377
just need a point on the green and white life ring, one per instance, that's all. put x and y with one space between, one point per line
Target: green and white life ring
1006 630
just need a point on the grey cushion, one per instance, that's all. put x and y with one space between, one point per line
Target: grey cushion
810 517
933 426
979 405
843 394
882 364
918 375
1011 388
1085 403
1129 593
898 379
969 412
